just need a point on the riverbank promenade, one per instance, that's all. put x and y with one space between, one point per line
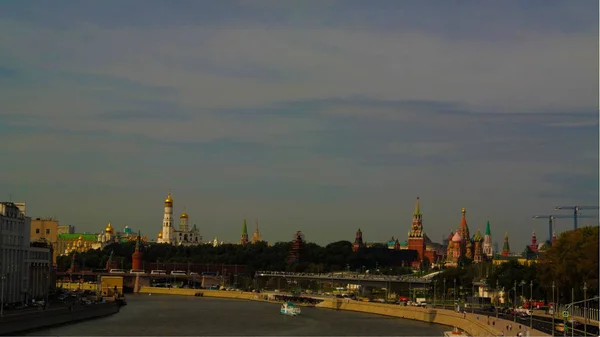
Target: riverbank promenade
473 324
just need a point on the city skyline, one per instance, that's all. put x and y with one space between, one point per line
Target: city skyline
320 116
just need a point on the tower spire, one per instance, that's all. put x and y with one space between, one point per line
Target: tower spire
244 239
417 208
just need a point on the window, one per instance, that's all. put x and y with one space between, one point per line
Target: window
37 231
48 231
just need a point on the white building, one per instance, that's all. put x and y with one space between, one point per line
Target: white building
184 236
14 253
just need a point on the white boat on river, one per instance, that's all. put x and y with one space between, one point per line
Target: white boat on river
289 308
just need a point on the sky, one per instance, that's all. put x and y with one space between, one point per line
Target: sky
319 116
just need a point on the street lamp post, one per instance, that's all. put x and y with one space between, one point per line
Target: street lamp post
2 278
515 304
585 307
497 298
531 304
522 292
472 298
553 308
444 294
454 291
434 283
572 311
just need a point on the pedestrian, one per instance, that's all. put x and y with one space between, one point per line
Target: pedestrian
510 327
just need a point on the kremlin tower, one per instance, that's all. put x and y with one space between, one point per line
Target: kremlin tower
358 242
488 249
533 246
297 250
244 238
506 247
137 262
256 237
416 240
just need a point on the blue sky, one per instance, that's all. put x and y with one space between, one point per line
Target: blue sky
320 116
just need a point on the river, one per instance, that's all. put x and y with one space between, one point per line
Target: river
164 315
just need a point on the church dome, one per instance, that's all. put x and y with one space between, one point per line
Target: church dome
160 235
456 237
108 228
127 230
183 215
169 200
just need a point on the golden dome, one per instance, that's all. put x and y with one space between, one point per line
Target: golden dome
80 237
168 200
183 215
108 228
160 235
464 211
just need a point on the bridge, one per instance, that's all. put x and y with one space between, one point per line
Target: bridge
145 279
349 277
397 284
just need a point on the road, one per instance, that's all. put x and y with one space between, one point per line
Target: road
540 323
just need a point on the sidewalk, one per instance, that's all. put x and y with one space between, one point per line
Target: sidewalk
508 328
559 318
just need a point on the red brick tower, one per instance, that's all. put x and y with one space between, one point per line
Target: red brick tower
297 248
416 241
137 259
533 246
358 241
506 246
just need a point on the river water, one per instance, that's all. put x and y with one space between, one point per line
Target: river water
164 315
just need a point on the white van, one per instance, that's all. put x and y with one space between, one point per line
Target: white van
116 271
178 273
137 271
158 272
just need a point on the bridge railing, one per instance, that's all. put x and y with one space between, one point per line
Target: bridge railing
581 312
361 277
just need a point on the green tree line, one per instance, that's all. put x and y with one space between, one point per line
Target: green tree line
337 256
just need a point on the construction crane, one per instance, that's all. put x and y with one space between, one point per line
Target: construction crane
551 219
576 210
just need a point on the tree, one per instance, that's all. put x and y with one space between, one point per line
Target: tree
571 262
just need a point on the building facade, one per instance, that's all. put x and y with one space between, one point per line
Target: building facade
40 263
14 253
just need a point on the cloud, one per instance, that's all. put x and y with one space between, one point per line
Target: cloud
320 116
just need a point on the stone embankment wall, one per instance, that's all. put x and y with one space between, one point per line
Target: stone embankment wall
203 292
474 325
13 324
